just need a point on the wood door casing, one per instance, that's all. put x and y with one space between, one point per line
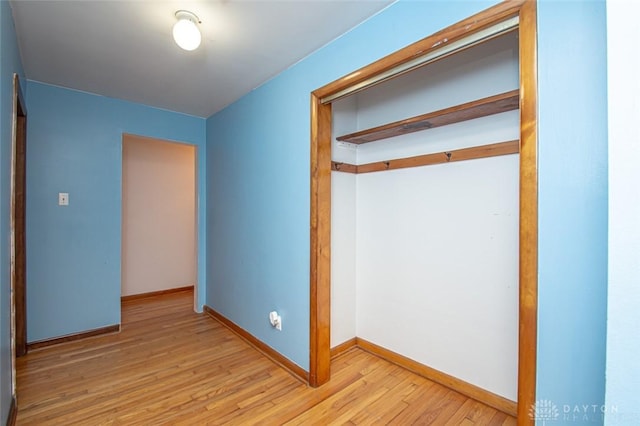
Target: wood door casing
20 290
18 225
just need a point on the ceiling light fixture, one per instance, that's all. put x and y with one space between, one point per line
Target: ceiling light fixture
185 31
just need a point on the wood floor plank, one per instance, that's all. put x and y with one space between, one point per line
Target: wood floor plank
382 412
471 412
480 413
169 365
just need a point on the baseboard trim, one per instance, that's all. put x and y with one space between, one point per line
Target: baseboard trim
13 412
343 347
71 337
155 293
472 391
262 347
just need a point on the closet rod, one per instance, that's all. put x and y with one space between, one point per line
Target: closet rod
447 48
476 152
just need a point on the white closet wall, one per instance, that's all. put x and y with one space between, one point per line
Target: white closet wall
436 247
343 229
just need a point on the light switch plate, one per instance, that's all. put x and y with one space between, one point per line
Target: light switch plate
63 198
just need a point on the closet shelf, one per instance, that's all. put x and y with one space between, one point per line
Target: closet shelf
503 102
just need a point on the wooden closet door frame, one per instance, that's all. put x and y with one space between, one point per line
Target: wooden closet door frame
320 220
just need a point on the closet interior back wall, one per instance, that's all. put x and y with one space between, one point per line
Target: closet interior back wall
425 259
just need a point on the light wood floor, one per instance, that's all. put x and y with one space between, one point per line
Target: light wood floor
172 366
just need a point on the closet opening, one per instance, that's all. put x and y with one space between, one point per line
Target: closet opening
443 158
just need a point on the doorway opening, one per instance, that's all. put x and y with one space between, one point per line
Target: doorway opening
159 218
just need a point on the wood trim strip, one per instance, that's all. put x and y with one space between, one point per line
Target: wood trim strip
18 231
13 413
320 245
484 107
528 280
476 152
343 347
17 226
472 391
422 47
155 293
343 167
260 346
17 242
72 337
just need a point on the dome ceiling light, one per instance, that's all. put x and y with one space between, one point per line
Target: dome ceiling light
185 31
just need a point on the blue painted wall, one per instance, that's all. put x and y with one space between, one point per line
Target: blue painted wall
74 253
258 178
9 63
573 207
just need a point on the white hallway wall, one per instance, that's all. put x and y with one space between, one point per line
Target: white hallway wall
435 248
158 215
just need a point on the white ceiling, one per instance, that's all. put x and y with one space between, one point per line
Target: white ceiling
124 49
